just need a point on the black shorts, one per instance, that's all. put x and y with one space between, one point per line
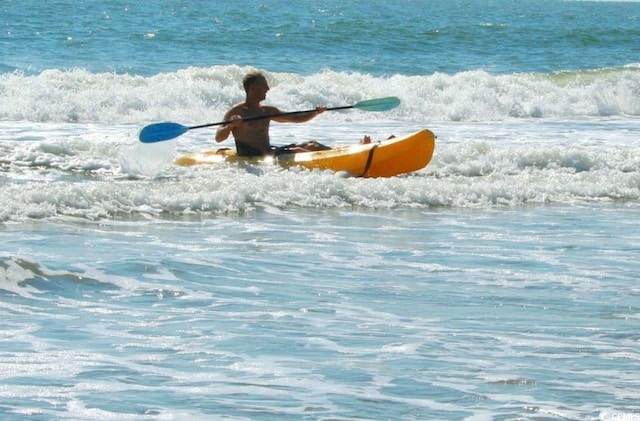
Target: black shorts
248 151
283 150
245 150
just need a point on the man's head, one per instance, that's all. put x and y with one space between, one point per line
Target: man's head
254 79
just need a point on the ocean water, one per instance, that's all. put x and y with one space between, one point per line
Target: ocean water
498 283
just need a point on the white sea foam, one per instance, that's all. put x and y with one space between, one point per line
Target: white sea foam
98 172
203 94
560 138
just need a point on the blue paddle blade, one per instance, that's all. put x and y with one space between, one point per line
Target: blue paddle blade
161 131
380 104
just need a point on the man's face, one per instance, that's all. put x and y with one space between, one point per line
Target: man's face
261 87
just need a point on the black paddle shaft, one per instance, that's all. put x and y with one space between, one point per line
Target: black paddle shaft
262 117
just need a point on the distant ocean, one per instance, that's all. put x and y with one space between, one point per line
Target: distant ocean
498 283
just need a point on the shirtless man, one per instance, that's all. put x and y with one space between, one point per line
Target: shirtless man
252 137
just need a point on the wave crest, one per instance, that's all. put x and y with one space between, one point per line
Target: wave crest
203 94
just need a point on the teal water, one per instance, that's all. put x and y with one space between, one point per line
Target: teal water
500 282
380 37
323 315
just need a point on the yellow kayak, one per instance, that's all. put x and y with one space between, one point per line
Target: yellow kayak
385 158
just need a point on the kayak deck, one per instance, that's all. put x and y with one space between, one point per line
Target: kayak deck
386 158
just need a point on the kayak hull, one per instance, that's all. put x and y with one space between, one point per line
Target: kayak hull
386 158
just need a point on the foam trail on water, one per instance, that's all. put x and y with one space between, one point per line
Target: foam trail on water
148 159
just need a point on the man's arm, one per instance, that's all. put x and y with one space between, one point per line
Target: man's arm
225 130
297 118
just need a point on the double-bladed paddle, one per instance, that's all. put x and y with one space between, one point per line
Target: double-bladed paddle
158 132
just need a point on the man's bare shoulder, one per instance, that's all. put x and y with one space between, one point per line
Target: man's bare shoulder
270 110
237 107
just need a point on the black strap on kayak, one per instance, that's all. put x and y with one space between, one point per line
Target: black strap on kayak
369 160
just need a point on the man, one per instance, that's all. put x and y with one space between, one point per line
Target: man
252 137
